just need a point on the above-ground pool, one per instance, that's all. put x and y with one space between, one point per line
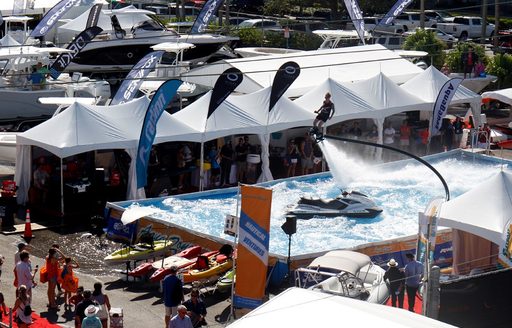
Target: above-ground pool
401 188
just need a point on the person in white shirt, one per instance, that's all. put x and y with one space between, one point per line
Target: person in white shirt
24 272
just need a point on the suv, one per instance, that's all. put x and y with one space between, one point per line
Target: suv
411 20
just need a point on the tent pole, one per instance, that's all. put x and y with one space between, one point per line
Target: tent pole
237 218
61 190
201 168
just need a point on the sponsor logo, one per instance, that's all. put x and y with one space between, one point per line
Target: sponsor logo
208 15
233 77
55 16
448 94
290 70
398 10
139 74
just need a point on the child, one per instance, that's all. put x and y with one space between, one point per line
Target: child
78 297
69 281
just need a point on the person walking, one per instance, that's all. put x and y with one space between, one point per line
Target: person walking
103 303
395 280
413 276
173 294
91 320
181 320
325 112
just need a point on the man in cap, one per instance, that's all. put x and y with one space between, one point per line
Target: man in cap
91 320
173 294
395 280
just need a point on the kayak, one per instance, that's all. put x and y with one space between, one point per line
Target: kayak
177 259
140 251
226 281
215 268
141 270
180 262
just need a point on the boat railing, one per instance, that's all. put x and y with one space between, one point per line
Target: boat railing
305 277
476 135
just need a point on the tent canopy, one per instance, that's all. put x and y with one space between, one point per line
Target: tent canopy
504 95
81 128
341 64
483 211
306 308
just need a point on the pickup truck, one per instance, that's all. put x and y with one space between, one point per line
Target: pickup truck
464 27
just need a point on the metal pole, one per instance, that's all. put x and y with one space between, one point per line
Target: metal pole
484 22
289 260
61 190
201 168
496 40
232 307
434 294
422 13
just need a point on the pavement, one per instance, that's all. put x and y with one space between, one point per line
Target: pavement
141 301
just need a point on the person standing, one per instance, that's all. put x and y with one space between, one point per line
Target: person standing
469 58
241 151
91 320
395 280
214 157
173 294
24 273
226 160
448 134
458 130
22 307
372 136
52 270
181 320
103 303
389 139
69 281
325 112
81 308
291 158
306 154
196 309
405 135
413 275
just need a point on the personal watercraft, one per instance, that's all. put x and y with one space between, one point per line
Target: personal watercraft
350 204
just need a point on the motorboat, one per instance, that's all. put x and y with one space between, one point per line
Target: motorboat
345 273
350 204
128 35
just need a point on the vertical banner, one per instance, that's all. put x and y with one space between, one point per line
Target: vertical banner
252 250
441 105
428 230
134 79
356 16
94 15
160 100
205 16
18 7
285 75
396 10
76 46
52 16
225 85
505 252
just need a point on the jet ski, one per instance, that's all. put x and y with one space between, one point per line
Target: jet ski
350 204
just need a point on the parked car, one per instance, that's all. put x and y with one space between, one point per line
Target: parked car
466 27
390 41
439 16
443 36
264 24
236 20
307 26
411 20
371 25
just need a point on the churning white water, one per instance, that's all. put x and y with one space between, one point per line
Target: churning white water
401 189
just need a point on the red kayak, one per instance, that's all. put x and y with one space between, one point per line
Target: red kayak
147 267
180 262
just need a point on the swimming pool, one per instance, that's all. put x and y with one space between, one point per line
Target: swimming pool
401 188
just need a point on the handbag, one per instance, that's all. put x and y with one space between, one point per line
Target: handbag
27 311
43 275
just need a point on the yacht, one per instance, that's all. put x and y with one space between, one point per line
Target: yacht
128 35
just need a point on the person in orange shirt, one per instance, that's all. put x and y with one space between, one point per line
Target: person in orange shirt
405 135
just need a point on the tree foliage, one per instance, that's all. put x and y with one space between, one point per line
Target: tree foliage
454 57
426 40
501 66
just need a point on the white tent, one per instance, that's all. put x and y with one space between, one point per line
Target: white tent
341 64
484 211
504 95
427 85
297 307
81 128
245 114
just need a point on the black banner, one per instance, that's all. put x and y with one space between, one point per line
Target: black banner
478 301
226 83
76 46
285 76
94 15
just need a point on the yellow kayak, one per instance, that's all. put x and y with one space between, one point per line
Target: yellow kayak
140 251
214 269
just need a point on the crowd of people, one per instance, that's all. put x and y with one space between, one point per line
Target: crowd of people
90 308
178 312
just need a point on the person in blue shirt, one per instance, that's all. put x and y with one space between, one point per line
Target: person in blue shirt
181 320
173 294
413 275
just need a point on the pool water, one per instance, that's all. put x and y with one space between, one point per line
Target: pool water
401 188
